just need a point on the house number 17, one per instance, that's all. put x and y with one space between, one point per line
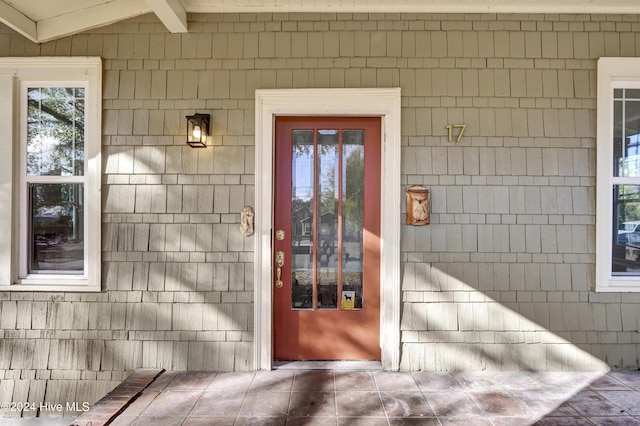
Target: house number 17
456 126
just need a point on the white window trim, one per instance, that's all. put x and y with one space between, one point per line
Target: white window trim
612 73
384 103
74 70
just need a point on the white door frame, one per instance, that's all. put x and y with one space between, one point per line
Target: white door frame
384 103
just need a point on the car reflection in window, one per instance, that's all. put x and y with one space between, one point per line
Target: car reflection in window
629 232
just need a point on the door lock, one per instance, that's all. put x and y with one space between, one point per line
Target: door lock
279 265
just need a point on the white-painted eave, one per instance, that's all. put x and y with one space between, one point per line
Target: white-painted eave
17 21
173 13
89 18
417 6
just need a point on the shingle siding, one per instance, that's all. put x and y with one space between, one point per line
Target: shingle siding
501 279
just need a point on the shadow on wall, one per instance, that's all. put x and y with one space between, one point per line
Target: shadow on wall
176 295
196 280
196 328
447 325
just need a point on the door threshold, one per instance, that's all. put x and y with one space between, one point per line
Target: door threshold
328 365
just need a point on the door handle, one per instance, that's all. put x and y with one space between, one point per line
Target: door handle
279 265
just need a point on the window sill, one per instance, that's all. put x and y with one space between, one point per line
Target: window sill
53 284
631 285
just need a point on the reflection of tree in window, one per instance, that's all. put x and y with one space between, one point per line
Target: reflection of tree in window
54 160
628 200
626 132
353 214
354 190
328 177
55 132
626 144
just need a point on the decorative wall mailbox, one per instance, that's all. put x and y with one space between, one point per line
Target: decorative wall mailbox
418 212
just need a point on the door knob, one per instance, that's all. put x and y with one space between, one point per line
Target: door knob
279 265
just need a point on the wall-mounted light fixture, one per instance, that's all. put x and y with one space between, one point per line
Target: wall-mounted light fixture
198 130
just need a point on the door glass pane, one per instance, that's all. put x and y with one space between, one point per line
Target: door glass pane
353 218
328 219
55 131
302 226
626 133
327 209
57 227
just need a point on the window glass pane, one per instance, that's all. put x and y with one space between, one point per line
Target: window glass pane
626 135
353 217
626 230
632 94
302 172
629 94
57 227
327 210
55 131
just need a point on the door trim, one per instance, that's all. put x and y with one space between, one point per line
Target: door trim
384 103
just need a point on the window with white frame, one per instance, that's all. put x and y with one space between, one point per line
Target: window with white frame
618 176
50 174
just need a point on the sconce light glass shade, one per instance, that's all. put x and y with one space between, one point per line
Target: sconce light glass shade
197 130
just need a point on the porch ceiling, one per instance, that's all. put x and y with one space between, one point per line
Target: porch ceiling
41 21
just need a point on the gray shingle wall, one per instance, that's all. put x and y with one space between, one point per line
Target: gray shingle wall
510 246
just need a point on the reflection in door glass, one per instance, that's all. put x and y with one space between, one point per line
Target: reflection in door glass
353 217
327 210
302 173
327 219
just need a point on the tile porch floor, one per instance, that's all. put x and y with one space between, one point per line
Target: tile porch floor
336 398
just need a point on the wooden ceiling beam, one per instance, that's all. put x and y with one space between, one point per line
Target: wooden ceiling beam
172 13
18 22
89 18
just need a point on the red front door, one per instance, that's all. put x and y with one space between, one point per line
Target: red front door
327 238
